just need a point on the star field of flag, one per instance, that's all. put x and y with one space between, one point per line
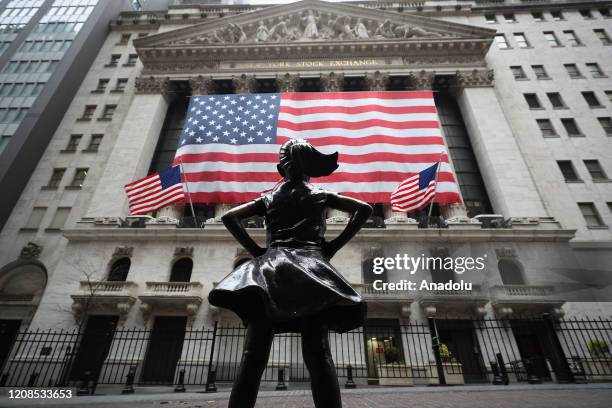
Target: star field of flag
232 119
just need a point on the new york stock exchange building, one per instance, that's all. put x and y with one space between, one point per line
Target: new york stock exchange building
522 89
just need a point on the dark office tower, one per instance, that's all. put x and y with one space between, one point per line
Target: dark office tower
46 48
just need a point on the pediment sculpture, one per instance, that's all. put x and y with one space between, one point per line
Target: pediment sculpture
310 25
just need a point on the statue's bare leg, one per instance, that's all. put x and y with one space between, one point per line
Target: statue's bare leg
318 359
254 359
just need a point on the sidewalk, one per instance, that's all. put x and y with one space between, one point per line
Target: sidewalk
482 396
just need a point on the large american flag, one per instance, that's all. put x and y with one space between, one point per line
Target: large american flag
229 144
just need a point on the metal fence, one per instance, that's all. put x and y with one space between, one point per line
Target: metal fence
439 351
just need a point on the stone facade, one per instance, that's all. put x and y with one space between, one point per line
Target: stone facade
561 259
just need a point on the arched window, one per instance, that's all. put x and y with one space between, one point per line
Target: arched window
511 272
367 272
181 270
440 274
119 270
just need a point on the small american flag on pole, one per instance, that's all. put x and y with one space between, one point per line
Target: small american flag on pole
415 192
229 144
155 191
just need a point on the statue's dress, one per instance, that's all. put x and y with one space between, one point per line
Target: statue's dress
292 282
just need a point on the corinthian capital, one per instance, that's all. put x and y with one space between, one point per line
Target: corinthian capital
422 80
153 85
201 85
377 81
474 78
332 82
287 82
244 83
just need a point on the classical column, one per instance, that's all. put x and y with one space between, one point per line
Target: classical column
288 82
509 184
332 82
244 83
377 81
134 147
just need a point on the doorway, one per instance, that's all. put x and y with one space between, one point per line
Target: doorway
382 339
164 350
8 333
94 347
459 337
536 344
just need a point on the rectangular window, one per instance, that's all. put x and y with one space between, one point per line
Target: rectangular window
521 40
591 99
605 13
537 16
555 100
590 214
94 143
557 15
606 124
490 18
586 13
131 61
79 178
532 101
572 70
603 36
36 217
107 113
571 127
16 90
114 60
518 72
551 39
5 89
546 128
568 171
73 143
595 170
509 18
120 85
56 178
102 84
594 69
4 141
88 112
609 96
60 217
125 38
571 38
540 72
501 41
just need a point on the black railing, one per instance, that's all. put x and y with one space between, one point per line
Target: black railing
447 351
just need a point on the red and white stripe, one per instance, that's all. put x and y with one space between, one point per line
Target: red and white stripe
146 195
382 139
407 197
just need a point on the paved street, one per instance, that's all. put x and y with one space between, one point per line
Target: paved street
542 396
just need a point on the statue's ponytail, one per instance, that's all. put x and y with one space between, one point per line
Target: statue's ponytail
299 160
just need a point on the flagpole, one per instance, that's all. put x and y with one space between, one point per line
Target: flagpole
188 193
436 186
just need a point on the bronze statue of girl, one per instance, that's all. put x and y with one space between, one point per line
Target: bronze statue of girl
290 286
